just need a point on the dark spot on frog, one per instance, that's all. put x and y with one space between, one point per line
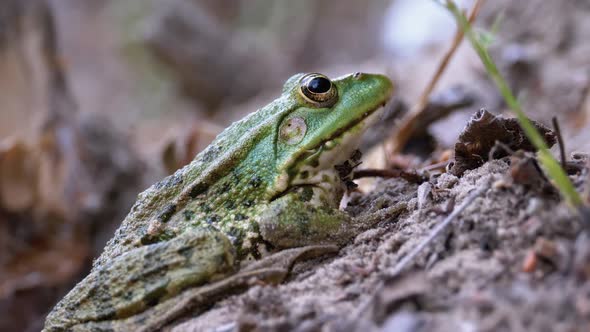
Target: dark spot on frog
166 235
212 219
236 175
255 181
255 228
187 252
171 181
220 260
248 203
152 298
315 163
210 153
304 175
92 290
240 216
154 269
147 239
136 206
188 214
128 296
198 189
306 194
105 307
167 213
230 205
303 227
236 235
150 255
256 245
225 187
235 232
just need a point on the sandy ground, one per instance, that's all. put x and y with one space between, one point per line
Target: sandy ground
515 260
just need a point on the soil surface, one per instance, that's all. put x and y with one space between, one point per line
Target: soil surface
515 260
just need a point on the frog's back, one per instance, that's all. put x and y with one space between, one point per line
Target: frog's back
157 204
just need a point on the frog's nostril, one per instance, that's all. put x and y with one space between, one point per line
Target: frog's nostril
357 75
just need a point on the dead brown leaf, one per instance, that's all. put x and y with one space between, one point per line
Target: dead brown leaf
477 142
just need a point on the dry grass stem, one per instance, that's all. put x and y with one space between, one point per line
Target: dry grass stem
406 127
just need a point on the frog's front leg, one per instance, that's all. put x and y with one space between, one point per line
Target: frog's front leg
142 278
298 219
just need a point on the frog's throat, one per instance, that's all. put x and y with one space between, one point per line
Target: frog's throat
315 168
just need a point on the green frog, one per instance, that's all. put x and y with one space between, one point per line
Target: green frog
267 184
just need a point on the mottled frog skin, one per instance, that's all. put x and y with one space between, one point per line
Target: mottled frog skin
266 183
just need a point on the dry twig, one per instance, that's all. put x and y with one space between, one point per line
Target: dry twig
408 124
404 262
559 142
412 177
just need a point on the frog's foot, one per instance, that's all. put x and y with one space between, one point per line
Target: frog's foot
296 219
369 220
285 259
269 270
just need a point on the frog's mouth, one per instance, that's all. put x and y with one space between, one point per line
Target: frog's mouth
315 167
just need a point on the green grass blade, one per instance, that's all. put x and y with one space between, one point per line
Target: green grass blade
549 163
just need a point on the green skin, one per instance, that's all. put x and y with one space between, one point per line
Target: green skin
266 183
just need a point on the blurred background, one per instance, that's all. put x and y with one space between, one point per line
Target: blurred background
100 99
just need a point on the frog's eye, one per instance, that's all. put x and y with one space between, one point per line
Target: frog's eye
318 90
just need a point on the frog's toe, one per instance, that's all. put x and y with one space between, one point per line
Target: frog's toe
285 259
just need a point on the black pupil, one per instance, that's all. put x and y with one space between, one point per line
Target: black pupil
319 85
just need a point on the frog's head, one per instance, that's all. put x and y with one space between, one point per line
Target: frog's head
323 127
